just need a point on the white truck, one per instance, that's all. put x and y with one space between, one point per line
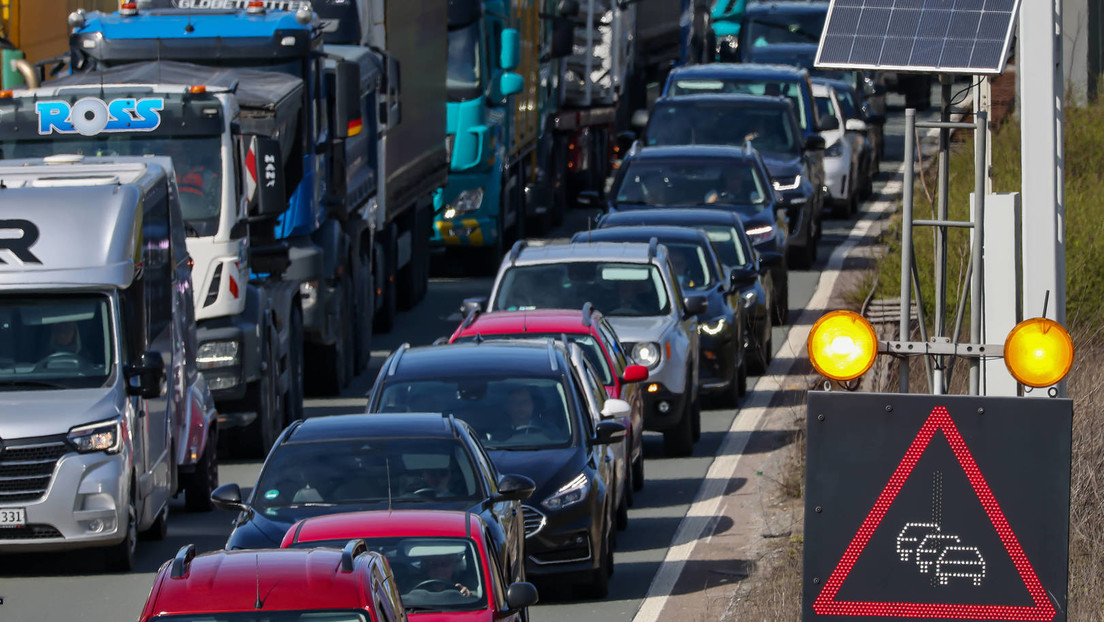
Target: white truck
98 387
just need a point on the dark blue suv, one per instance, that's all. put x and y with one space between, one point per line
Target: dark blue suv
782 33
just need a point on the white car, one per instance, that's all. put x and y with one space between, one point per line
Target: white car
844 168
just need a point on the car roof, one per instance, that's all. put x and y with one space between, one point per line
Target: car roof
341 427
387 523
737 70
742 99
781 6
223 581
694 151
531 320
688 216
839 85
628 252
663 233
519 358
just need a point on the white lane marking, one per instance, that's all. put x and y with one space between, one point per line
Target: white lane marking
707 502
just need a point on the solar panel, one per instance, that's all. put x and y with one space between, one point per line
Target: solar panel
928 36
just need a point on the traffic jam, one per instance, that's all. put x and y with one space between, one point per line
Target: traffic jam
212 208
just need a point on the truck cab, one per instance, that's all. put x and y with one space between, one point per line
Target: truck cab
95 312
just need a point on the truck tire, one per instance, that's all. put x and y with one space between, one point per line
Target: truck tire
331 365
294 405
384 319
415 275
255 439
363 310
199 484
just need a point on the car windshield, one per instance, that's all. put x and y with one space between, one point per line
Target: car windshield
55 342
354 471
727 245
746 85
268 616
197 161
428 571
691 266
463 78
618 289
701 123
506 413
588 343
785 28
825 108
688 181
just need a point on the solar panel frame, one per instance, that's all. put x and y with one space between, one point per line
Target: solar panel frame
918 36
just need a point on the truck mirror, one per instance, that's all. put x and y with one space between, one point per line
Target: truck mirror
510 83
563 37
265 177
347 117
510 46
146 376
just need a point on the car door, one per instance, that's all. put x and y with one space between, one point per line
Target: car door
507 514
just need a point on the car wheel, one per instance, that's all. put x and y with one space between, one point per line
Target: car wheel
696 420
782 305
741 383
630 484
597 585
679 440
120 557
622 517
200 484
160 527
638 473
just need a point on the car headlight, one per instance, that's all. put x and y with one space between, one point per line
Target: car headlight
217 354
103 436
466 202
568 494
787 183
646 354
715 327
758 235
834 150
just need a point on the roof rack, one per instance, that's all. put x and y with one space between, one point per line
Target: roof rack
181 562
395 361
452 424
467 522
653 247
552 355
588 310
516 250
349 553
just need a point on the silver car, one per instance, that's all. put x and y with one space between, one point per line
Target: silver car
635 287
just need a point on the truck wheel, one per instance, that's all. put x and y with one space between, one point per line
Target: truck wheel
679 441
415 275
384 319
120 557
201 483
330 370
363 311
255 439
294 406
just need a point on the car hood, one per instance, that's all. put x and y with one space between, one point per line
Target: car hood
782 165
548 468
637 329
28 414
796 54
450 616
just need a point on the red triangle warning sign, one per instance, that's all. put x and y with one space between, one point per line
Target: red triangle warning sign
939 420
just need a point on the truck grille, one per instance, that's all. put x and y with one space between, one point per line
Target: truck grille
30 532
534 520
27 465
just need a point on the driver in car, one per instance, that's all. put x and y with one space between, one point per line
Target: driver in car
65 338
523 415
443 570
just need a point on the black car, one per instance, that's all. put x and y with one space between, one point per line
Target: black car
765 298
722 370
769 124
345 463
524 401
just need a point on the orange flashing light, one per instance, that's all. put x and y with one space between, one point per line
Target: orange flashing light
197 88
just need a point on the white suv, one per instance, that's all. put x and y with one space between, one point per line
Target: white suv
635 288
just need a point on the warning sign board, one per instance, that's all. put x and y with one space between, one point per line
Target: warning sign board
936 507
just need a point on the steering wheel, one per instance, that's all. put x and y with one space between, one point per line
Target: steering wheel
426 492
529 428
72 357
428 583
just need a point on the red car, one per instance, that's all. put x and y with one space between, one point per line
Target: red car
599 342
440 558
320 585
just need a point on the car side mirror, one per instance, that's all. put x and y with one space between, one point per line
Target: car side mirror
228 497
146 376
609 431
510 83
635 373
816 142
521 595
640 118
616 409
473 305
855 125
828 123
512 487
588 198
742 276
695 305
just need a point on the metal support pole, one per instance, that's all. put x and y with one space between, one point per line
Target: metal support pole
976 281
906 243
940 318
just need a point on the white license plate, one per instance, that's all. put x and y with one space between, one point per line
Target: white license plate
13 517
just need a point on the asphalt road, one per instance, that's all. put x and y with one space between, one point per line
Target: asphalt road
74 586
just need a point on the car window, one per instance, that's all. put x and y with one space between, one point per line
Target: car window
428 570
847 104
585 341
726 243
504 412
691 266
690 181
595 388
618 289
825 107
714 123
616 352
750 85
591 416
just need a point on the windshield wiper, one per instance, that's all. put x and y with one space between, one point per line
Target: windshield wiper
32 383
419 608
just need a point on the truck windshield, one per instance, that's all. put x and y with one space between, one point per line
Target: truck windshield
618 289
779 29
747 86
463 78
196 159
429 572
55 342
268 616
701 123
690 182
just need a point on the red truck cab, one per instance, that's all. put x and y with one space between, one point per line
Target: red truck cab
322 585
442 559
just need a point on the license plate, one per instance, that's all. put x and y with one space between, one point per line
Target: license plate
13 517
